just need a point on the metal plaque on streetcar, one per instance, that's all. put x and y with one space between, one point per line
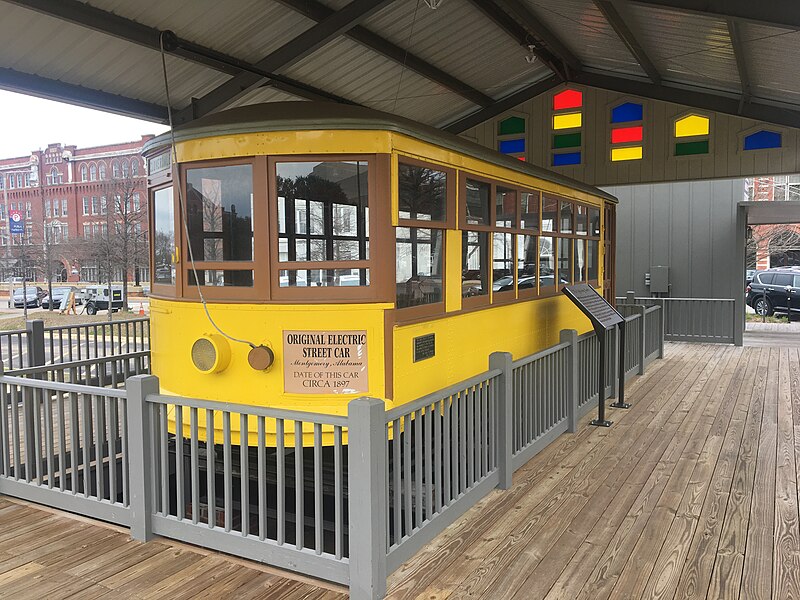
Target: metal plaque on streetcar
325 362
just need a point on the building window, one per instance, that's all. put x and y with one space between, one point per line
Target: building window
47 208
27 210
763 140
87 230
125 169
136 202
85 206
64 207
134 167
84 173
115 169
102 171
92 172
103 207
11 182
511 137
27 179
94 205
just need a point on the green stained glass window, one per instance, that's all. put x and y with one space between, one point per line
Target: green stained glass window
566 140
511 126
690 148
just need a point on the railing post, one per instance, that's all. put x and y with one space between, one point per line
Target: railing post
140 444
613 362
642 348
630 297
662 327
35 331
366 477
570 336
504 407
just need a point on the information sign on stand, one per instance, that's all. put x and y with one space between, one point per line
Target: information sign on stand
604 318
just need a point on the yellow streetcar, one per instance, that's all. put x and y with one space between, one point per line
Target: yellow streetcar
304 254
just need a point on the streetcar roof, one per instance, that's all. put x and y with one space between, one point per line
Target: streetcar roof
312 116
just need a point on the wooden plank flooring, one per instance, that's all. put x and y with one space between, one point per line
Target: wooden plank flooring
46 554
692 493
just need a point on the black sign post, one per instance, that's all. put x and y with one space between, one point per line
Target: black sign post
604 318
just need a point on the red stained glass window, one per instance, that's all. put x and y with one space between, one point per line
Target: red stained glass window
626 134
568 99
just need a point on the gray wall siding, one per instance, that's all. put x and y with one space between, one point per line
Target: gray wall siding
725 159
689 227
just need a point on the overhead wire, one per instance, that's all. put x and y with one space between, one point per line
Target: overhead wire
182 204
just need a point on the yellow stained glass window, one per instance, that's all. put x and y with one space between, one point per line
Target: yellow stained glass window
691 125
567 121
629 153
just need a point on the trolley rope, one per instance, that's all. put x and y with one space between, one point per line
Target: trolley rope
182 204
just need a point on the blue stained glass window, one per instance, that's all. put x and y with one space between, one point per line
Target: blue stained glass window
512 146
624 113
567 158
762 140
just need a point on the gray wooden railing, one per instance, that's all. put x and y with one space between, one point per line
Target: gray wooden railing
344 498
708 320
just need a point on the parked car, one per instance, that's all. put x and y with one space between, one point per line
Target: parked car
775 290
59 295
749 276
100 297
31 296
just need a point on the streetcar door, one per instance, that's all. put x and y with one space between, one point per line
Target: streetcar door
609 254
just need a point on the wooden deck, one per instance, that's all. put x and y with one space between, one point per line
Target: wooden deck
45 554
692 493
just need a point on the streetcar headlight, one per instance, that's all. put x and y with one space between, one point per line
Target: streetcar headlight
211 353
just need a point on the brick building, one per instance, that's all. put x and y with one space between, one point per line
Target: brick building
74 201
773 245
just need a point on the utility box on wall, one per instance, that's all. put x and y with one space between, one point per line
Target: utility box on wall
659 280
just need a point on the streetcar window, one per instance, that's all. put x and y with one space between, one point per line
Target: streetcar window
502 260
505 207
422 194
474 263
564 260
163 237
581 222
594 222
477 202
579 268
566 217
592 259
549 213
419 266
219 205
529 209
323 212
221 278
323 277
527 249
547 262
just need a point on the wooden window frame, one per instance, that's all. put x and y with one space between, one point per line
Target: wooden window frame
379 252
408 314
164 290
260 289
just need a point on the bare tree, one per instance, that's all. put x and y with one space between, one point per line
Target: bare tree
780 242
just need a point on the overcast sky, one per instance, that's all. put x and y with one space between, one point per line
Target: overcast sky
30 123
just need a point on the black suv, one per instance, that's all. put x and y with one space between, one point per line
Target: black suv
775 290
